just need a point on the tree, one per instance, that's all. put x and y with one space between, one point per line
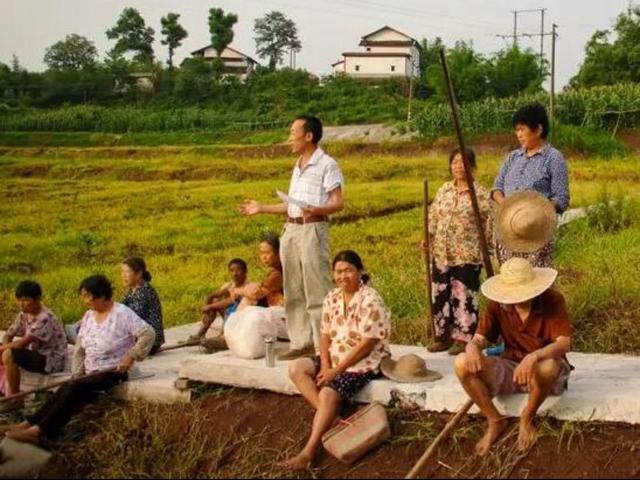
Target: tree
429 55
73 53
468 74
132 35
607 62
275 34
221 29
197 79
174 34
514 71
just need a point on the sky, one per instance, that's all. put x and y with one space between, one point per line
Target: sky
326 27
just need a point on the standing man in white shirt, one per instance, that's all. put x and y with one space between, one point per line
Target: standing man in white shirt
304 247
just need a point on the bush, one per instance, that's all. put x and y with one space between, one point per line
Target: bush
613 213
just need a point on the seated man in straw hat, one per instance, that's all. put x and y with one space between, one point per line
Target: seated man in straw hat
532 319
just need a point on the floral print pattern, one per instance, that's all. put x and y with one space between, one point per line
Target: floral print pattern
366 316
453 226
51 340
455 300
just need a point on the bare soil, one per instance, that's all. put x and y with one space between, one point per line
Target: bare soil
564 450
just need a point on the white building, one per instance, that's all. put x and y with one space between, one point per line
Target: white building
235 62
386 53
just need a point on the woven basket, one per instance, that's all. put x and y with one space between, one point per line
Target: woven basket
355 436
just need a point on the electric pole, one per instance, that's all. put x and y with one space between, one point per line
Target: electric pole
515 28
553 71
542 10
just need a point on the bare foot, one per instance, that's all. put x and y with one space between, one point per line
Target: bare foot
298 463
26 435
494 430
527 435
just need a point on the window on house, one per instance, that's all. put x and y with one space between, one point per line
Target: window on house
368 49
357 68
393 68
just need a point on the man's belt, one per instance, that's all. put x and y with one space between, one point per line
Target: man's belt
311 219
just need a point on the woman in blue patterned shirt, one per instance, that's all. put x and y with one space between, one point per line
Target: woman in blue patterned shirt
142 298
535 166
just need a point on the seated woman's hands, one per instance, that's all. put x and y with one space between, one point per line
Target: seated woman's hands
326 376
125 364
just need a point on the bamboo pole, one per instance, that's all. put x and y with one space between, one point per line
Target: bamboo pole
426 255
448 428
175 346
53 385
453 423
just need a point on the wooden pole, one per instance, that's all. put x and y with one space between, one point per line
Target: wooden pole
455 420
467 167
55 385
448 428
426 254
175 346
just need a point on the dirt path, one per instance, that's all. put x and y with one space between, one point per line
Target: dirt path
247 432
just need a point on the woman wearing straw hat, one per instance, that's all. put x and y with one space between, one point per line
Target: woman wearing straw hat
532 319
457 261
536 166
355 333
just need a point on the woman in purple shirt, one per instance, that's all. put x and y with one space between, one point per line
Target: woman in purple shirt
535 166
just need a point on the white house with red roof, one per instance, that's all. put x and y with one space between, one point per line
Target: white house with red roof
385 53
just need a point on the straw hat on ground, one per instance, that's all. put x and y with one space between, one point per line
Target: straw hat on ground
525 221
408 368
518 282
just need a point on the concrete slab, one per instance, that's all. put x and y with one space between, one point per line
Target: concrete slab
603 387
155 376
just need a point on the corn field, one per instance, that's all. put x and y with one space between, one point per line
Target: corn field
608 107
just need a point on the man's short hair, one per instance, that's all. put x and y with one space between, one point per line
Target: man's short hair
532 115
241 263
29 289
312 125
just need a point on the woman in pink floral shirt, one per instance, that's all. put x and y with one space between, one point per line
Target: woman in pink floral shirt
42 346
457 260
355 333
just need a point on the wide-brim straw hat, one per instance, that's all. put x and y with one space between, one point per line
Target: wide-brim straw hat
518 282
525 221
408 368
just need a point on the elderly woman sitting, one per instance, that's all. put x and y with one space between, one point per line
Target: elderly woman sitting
354 339
112 337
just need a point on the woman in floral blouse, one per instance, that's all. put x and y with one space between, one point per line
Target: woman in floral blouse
142 298
457 259
355 333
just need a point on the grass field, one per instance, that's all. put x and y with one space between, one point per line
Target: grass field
68 213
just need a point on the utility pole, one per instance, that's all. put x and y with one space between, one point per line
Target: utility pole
515 34
553 71
542 10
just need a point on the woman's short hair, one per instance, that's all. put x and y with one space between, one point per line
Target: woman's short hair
138 265
272 240
470 154
351 257
29 289
533 116
98 286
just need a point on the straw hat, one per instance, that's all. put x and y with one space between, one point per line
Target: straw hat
518 282
408 368
525 221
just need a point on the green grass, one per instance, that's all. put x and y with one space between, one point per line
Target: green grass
72 213
146 139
